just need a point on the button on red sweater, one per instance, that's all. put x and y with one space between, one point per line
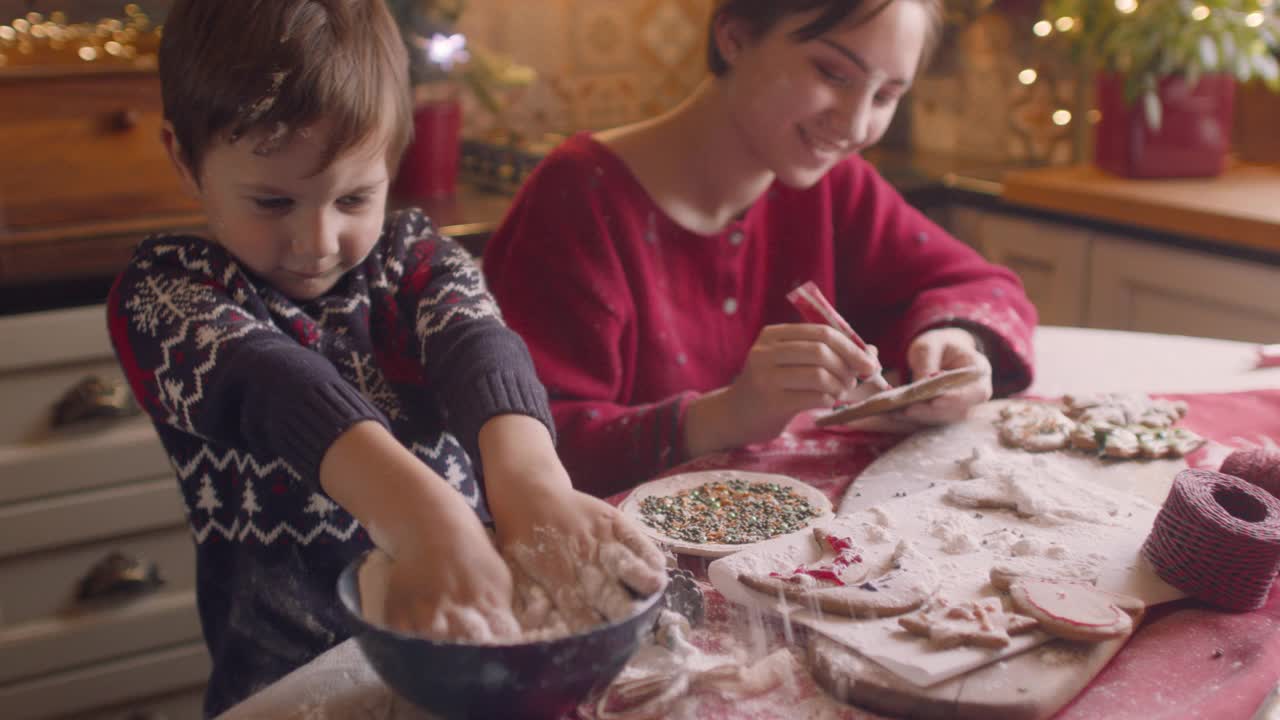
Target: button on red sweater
628 315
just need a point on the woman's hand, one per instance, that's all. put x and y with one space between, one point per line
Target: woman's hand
948 348
791 368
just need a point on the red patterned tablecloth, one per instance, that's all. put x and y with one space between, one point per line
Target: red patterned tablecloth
1185 661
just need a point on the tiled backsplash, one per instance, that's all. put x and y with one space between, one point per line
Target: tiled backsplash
606 62
600 62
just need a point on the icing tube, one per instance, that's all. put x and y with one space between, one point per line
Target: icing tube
1217 538
814 308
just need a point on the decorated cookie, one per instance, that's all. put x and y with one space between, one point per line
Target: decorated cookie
853 581
1011 570
1035 427
981 623
902 396
1075 610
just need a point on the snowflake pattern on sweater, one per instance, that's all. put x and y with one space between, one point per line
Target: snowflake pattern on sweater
248 388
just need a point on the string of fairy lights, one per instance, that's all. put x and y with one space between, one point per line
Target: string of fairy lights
1048 27
37 39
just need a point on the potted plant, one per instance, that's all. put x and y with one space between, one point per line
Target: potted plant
441 62
1166 72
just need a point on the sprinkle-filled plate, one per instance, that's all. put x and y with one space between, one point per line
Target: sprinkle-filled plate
728 509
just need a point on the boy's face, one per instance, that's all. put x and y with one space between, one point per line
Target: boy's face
298 230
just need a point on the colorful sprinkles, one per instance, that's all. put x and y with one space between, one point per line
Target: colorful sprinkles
728 512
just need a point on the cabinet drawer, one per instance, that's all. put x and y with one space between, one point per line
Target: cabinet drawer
86 516
40 648
106 684
43 586
1156 289
84 149
44 356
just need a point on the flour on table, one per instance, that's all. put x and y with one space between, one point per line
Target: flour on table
880 517
955 531
1042 493
875 534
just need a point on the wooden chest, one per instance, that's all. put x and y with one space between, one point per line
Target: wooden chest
83 175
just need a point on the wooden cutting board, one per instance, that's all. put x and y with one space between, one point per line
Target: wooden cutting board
1034 684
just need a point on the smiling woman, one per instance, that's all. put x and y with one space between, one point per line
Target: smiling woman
648 266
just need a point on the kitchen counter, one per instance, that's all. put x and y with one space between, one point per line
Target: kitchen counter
1238 208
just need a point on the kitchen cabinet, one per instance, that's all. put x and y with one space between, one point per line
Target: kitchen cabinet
1052 261
1139 286
97 577
1081 276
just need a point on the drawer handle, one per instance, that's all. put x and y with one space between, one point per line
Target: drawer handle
121 121
118 576
93 399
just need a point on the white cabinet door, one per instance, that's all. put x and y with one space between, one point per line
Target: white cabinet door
1051 259
1160 289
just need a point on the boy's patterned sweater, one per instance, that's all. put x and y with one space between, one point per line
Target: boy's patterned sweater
247 390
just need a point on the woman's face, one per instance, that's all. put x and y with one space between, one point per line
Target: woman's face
801 107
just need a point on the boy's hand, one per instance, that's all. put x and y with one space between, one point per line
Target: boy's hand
575 557
590 560
444 577
451 584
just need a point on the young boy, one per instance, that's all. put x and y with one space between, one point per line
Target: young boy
322 375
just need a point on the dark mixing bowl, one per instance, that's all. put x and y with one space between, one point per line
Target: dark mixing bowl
534 680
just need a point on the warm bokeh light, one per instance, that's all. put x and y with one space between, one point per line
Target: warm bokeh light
1199 12
1061 117
1042 28
1027 76
1254 19
1064 24
1126 6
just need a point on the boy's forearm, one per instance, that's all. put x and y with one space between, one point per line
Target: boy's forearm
395 496
519 460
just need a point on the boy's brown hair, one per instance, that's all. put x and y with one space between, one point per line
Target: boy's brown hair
230 67
762 15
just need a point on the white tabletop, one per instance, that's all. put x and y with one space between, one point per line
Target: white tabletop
340 684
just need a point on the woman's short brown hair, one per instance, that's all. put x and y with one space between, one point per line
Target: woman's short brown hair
230 67
762 15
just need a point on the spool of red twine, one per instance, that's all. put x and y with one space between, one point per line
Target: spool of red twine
1258 466
1217 538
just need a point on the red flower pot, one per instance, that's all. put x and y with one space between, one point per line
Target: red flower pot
1194 135
429 169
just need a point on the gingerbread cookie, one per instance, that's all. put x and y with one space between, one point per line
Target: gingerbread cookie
1121 427
853 581
1075 610
1035 427
900 397
981 623
1011 570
